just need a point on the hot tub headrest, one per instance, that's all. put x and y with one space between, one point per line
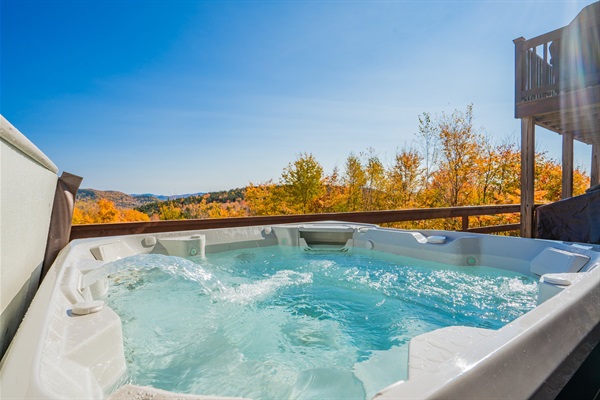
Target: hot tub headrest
552 260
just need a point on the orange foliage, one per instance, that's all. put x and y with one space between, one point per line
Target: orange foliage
104 211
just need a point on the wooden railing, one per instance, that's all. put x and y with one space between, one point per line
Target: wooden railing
372 217
536 74
560 61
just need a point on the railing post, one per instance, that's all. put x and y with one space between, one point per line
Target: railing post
465 222
595 170
527 175
545 71
567 166
518 70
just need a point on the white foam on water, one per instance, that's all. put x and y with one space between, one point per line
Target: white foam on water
132 270
250 292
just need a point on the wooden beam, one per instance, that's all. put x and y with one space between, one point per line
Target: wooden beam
582 123
527 175
567 166
581 98
541 39
595 170
571 116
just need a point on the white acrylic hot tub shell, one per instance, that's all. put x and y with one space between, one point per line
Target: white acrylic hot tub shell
27 185
58 355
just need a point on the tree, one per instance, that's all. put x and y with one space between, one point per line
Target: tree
581 182
129 215
405 178
354 180
459 151
428 139
333 200
548 179
107 212
487 169
303 182
169 212
266 199
375 187
104 211
508 179
81 217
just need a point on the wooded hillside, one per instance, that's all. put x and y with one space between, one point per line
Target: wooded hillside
120 199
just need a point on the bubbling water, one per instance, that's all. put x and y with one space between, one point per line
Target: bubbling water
276 322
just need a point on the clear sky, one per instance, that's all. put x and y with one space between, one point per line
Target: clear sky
173 97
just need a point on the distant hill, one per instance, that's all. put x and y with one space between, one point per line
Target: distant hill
157 196
222 196
121 200
164 198
185 196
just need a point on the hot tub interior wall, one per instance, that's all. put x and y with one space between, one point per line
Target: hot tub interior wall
528 257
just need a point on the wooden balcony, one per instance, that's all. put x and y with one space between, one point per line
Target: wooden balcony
557 87
557 77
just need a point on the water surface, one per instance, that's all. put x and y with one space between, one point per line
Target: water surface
280 323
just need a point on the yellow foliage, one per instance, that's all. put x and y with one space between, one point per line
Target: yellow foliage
104 211
129 215
267 199
81 217
170 212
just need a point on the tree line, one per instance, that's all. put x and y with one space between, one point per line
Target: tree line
452 163
209 205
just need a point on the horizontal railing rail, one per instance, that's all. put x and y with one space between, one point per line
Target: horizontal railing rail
371 217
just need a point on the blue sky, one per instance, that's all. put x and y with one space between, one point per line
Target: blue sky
175 97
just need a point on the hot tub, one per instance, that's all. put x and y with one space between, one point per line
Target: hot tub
70 344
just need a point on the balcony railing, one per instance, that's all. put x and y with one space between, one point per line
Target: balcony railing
373 217
536 67
559 70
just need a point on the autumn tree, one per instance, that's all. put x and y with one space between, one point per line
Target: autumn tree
487 169
376 182
581 182
354 180
104 211
459 151
130 215
263 199
303 183
405 178
428 141
508 178
548 179
169 212
333 198
81 217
